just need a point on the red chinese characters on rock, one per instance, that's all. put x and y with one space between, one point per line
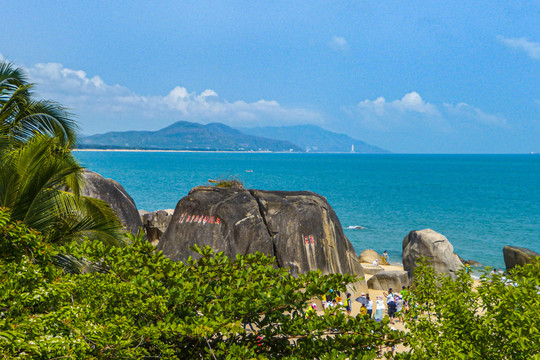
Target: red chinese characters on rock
309 240
199 219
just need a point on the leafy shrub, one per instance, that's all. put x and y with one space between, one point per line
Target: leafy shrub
231 183
499 319
145 306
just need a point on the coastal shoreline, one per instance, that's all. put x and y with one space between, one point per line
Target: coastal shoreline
229 151
182 151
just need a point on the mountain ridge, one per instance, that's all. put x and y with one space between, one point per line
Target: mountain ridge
190 136
312 138
184 135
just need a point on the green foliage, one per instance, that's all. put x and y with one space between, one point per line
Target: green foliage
22 116
145 306
34 179
231 183
497 320
40 180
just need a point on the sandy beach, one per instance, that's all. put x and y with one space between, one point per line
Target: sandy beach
372 294
356 306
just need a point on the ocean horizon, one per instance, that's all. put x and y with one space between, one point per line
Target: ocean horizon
479 202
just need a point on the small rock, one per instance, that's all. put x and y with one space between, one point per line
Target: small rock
155 224
517 256
473 263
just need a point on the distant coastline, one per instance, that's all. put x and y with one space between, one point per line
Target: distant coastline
184 151
184 135
224 151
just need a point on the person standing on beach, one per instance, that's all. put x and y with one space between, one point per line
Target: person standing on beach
389 296
348 305
390 302
369 305
385 257
379 309
399 307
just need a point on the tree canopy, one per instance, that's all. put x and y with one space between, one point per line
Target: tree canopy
22 116
40 180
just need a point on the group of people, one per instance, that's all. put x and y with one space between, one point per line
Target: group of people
384 260
333 299
393 301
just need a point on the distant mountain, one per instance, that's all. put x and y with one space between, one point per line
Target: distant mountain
314 139
184 135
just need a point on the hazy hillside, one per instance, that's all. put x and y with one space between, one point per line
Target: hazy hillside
185 135
314 139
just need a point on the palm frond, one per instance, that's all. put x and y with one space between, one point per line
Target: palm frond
21 116
40 182
11 77
73 265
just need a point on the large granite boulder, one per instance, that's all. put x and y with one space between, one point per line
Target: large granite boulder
433 246
108 190
155 223
367 256
299 228
385 280
517 256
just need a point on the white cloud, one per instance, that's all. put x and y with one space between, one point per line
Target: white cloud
339 44
466 112
87 96
411 109
412 114
530 47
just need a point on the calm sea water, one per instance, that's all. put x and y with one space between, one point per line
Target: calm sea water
479 202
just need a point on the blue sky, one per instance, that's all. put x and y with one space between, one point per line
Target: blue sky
408 76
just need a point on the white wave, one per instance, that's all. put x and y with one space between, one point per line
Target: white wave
355 227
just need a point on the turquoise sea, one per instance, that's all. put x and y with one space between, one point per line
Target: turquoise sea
479 202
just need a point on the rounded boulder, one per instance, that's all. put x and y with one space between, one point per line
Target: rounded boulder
433 246
368 256
111 192
517 256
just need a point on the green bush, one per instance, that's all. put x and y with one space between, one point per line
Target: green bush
499 319
231 183
142 305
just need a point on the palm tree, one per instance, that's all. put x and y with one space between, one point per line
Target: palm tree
40 180
21 116
40 183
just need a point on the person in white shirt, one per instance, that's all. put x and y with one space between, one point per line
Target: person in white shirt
369 305
385 257
379 309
